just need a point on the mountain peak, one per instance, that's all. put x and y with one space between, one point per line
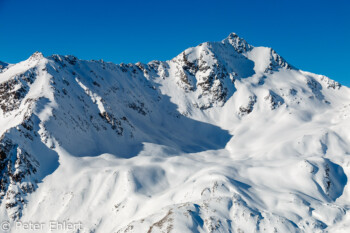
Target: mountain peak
207 130
232 35
36 56
240 44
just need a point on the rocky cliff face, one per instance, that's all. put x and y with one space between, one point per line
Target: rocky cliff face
206 142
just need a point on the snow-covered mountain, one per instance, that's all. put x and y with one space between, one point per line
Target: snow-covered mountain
225 137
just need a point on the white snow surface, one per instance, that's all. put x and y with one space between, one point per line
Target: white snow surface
225 137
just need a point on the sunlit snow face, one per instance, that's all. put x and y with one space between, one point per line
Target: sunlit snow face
225 136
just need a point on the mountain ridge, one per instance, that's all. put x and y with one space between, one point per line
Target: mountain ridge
202 134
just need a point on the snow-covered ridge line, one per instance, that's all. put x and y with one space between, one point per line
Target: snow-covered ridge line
225 137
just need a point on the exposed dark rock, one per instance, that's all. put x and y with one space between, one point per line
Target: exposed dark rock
114 122
276 62
16 166
274 100
238 43
316 88
139 107
12 92
244 110
331 83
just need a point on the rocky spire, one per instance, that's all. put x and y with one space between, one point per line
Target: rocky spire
237 42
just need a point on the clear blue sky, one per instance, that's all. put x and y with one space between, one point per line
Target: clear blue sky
312 35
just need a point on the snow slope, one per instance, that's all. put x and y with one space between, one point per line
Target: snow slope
225 137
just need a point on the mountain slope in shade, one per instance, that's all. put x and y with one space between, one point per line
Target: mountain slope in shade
225 137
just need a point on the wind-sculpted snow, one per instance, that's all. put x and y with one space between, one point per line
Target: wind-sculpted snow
225 137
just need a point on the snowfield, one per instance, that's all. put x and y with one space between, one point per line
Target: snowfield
225 137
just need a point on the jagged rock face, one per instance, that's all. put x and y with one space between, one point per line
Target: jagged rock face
210 69
274 99
205 142
243 110
207 79
276 62
17 175
239 44
14 90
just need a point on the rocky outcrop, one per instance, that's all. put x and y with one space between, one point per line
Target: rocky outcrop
17 170
248 108
14 90
274 100
276 62
239 44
